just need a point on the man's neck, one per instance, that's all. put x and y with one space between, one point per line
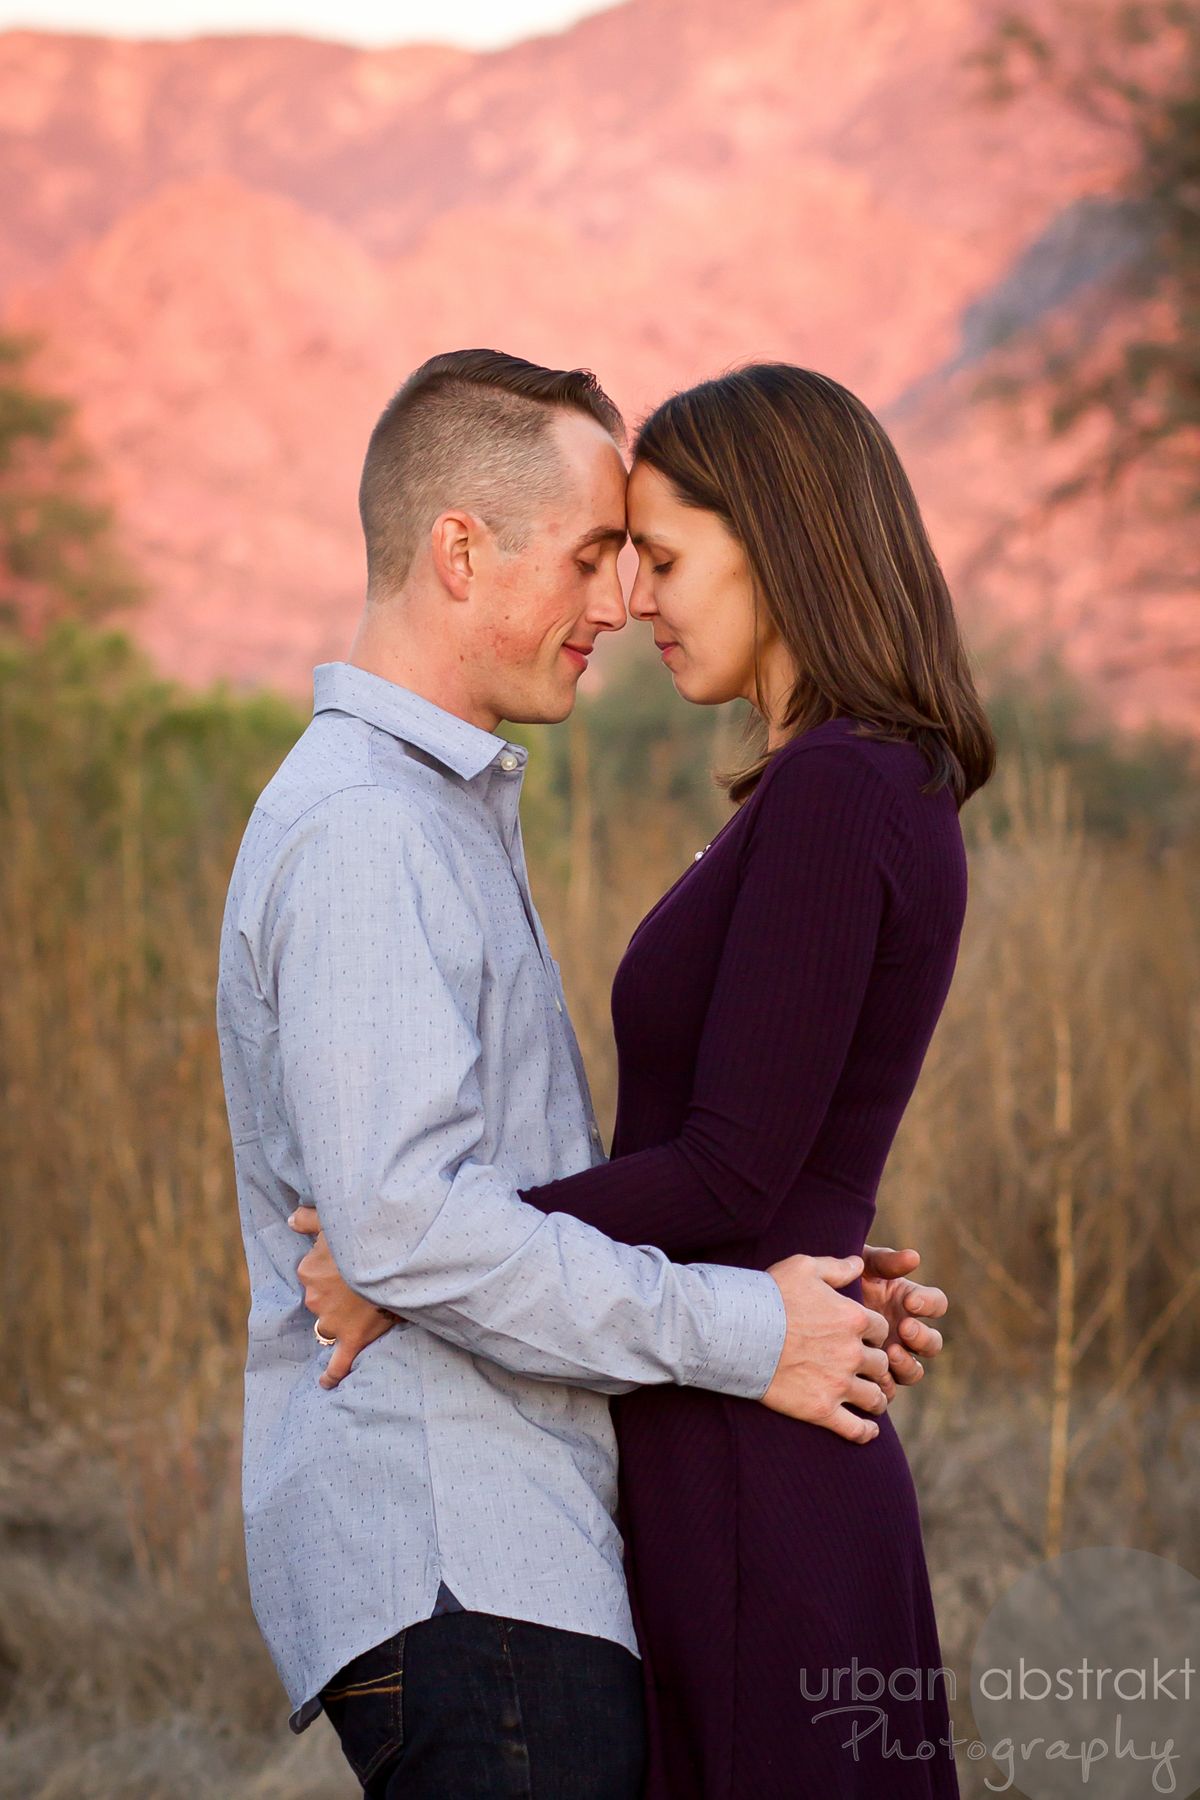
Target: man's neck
426 671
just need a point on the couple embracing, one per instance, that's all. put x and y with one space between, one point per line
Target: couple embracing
584 1487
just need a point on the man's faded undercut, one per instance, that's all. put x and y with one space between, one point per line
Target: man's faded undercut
469 429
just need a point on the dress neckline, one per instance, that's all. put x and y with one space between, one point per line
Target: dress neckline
687 870
842 719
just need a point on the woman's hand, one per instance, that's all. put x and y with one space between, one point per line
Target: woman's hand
340 1312
905 1305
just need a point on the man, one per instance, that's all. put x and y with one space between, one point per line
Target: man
433 1550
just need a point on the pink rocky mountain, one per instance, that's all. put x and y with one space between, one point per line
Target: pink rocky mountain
235 249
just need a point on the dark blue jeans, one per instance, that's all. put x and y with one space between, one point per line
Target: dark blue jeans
469 1706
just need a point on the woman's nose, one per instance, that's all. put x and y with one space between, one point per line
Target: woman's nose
641 600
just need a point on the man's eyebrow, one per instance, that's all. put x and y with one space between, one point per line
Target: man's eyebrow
603 534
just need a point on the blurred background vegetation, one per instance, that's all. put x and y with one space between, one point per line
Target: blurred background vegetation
1046 1168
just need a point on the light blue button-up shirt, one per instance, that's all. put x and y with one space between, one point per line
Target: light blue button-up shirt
396 1053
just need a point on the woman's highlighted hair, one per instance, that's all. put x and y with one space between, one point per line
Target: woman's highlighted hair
810 484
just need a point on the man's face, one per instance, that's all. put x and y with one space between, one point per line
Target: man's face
541 609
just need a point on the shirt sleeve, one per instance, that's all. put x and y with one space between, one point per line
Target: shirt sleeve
802 939
374 962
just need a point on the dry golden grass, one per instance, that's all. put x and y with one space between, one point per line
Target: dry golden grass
1046 1169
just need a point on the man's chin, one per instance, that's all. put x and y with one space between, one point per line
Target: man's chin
550 709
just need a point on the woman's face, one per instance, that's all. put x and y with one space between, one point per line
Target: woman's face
694 589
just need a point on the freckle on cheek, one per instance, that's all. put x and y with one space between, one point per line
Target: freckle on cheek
508 641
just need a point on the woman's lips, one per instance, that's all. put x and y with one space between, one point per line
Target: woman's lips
666 648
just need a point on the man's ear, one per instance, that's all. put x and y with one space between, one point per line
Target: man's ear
453 543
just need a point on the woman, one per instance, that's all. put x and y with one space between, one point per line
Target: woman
772 1012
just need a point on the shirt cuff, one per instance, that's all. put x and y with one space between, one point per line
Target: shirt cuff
749 1324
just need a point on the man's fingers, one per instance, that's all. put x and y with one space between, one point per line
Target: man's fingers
867 1394
875 1328
873 1365
305 1220
848 1425
838 1271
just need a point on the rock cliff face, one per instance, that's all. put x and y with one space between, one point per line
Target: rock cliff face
236 248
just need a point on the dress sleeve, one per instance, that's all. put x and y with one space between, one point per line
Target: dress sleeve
817 877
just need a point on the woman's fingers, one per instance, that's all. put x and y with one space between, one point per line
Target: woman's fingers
906 1369
885 1263
350 1343
926 1302
339 1364
919 1338
305 1220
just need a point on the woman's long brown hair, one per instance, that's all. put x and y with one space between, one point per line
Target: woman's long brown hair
810 485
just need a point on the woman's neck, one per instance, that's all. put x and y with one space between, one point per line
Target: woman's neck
776 681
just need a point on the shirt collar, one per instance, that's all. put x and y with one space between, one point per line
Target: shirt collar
461 746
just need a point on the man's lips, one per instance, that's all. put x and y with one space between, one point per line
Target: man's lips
579 653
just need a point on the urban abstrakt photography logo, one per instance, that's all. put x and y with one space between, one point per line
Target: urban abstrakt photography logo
1084 1679
1083 1684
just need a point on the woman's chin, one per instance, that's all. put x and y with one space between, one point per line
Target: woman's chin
692 687
683 689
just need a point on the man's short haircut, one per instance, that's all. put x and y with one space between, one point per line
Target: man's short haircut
470 429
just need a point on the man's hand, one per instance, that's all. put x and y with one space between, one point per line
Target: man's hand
340 1312
905 1305
832 1355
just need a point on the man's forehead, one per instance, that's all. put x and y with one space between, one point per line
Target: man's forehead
594 485
584 439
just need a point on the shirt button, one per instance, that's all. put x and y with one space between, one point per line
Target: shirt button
557 1004
508 762
594 1134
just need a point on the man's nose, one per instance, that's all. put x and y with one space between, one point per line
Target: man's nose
607 609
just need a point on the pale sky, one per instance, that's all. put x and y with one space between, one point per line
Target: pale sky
477 24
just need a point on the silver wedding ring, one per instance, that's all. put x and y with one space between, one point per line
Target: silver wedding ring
325 1343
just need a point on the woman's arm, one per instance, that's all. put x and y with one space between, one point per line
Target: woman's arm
794 968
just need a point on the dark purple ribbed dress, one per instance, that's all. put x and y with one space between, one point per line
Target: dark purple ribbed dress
771 1014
